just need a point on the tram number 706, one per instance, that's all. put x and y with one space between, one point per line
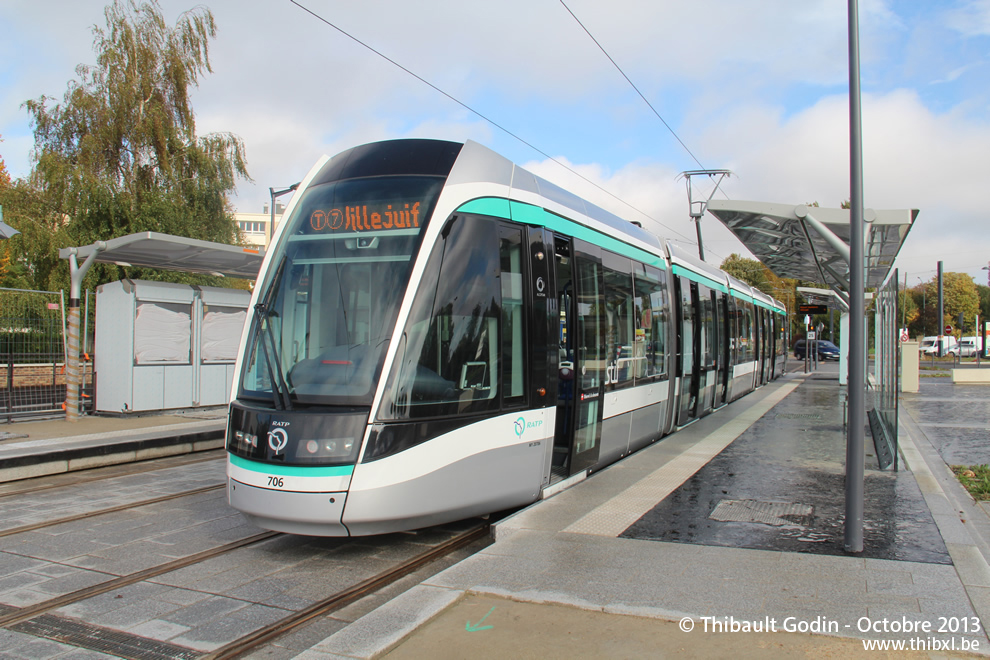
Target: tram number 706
275 481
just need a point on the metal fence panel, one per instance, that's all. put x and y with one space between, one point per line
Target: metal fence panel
32 354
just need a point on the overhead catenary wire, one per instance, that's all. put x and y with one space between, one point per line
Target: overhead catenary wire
485 118
645 100
632 84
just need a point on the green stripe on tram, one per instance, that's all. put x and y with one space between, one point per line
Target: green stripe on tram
699 278
292 470
534 215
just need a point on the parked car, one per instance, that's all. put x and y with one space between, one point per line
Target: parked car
826 350
970 346
929 346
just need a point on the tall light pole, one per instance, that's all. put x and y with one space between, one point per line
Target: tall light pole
924 308
855 432
276 194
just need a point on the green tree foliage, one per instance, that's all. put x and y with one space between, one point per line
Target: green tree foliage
984 292
120 154
757 275
907 309
960 294
4 174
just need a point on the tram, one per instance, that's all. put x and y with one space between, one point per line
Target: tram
438 334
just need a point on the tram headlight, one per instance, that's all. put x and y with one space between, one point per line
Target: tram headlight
328 448
245 440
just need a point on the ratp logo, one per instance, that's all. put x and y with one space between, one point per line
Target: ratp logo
277 439
522 425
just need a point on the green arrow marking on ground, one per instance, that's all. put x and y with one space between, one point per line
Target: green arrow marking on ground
477 626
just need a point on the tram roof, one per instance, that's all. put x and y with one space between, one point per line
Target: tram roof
154 250
812 243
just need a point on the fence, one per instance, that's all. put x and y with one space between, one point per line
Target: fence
32 354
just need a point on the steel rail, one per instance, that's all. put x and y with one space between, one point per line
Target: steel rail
142 467
113 509
345 597
27 613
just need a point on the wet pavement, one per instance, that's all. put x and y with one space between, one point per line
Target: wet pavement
955 418
791 496
559 582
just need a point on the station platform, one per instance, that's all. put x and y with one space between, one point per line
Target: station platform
722 539
36 448
631 562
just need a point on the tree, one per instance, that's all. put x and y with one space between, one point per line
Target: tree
959 294
756 274
120 153
983 292
4 174
750 271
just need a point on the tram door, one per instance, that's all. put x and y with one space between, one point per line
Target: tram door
707 331
722 349
581 367
768 346
687 351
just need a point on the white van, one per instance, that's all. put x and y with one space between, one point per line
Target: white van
970 346
929 346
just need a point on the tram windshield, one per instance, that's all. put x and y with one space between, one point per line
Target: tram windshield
336 279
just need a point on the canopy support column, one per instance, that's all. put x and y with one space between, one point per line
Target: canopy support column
73 371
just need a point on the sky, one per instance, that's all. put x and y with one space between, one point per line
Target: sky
759 88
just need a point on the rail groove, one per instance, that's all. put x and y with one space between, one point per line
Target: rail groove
99 512
345 597
26 613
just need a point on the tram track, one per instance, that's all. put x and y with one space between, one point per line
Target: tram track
346 596
31 611
40 620
100 512
66 480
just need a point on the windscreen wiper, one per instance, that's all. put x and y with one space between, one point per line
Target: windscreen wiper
263 331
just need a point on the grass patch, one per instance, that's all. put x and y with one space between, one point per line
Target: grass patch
975 479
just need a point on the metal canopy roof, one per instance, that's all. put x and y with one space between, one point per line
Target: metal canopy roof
153 250
812 243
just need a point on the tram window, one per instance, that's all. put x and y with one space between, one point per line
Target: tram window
651 320
449 352
625 357
513 321
746 351
687 326
707 314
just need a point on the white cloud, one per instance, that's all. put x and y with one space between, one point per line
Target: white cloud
748 89
970 18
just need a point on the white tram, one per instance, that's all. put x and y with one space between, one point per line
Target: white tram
437 333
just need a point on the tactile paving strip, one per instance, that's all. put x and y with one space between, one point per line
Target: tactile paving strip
614 516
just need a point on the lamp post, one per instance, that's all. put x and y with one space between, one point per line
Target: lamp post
276 194
924 306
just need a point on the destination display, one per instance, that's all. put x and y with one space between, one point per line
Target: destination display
367 217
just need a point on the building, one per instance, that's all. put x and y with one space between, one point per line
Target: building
254 226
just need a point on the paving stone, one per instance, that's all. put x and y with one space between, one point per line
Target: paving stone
159 629
216 633
11 564
134 615
204 611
